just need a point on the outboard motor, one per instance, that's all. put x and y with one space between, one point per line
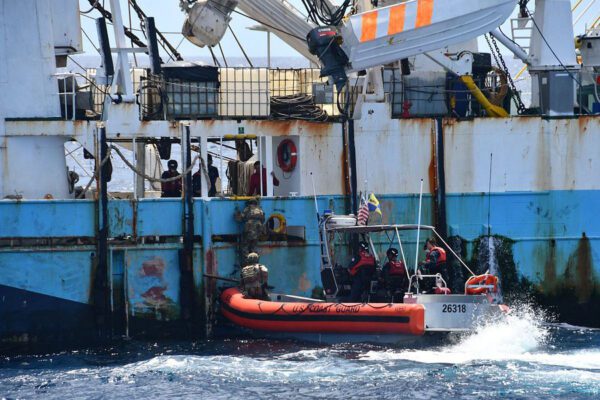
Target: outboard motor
324 42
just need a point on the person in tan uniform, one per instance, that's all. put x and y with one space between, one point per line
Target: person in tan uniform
255 278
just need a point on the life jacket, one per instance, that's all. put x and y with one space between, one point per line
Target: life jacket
365 259
254 213
254 275
441 259
396 268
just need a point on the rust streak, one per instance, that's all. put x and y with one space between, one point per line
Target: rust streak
154 267
579 272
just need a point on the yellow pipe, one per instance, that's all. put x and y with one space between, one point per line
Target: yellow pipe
585 10
492 110
576 5
518 75
239 136
594 25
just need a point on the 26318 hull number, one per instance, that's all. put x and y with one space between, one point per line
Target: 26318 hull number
454 308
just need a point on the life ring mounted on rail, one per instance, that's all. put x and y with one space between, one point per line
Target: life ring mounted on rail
287 155
481 284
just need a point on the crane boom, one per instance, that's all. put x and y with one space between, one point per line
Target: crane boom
207 21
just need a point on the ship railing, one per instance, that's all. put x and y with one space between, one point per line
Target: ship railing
240 92
439 281
99 91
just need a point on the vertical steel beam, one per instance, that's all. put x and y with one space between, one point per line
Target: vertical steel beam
139 149
440 188
102 293
186 285
353 176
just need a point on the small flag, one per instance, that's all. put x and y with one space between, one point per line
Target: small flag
363 215
374 204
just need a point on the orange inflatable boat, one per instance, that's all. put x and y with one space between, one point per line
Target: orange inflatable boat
299 317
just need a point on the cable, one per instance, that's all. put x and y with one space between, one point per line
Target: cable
223 54
151 178
164 43
551 49
215 59
320 13
241 47
89 80
256 20
144 92
91 9
298 106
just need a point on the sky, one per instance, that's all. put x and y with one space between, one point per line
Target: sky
169 19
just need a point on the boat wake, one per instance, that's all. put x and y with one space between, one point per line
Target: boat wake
523 336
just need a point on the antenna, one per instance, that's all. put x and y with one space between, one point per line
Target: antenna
419 227
490 196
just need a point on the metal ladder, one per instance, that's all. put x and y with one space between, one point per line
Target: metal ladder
521 29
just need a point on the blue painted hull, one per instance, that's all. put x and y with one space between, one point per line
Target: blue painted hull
32 320
551 246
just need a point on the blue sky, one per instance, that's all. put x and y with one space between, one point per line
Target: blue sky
169 18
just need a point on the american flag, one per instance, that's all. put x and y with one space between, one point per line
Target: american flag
363 214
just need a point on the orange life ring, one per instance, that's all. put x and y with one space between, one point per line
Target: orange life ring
481 284
287 155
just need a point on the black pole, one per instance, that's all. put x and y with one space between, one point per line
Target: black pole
101 287
104 44
186 265
353 177
441 227
153 46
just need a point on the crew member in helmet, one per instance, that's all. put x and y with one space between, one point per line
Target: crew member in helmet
254 282
362 270
393 273
172 188
253 218
435 263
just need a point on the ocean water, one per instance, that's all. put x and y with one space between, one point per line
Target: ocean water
519 358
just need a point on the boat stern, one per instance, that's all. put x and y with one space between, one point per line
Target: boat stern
456 313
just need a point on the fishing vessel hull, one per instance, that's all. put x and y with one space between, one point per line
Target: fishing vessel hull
543 191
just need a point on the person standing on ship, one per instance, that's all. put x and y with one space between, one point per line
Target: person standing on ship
243 150
362 270
255 181
213 175
435 263
171 188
